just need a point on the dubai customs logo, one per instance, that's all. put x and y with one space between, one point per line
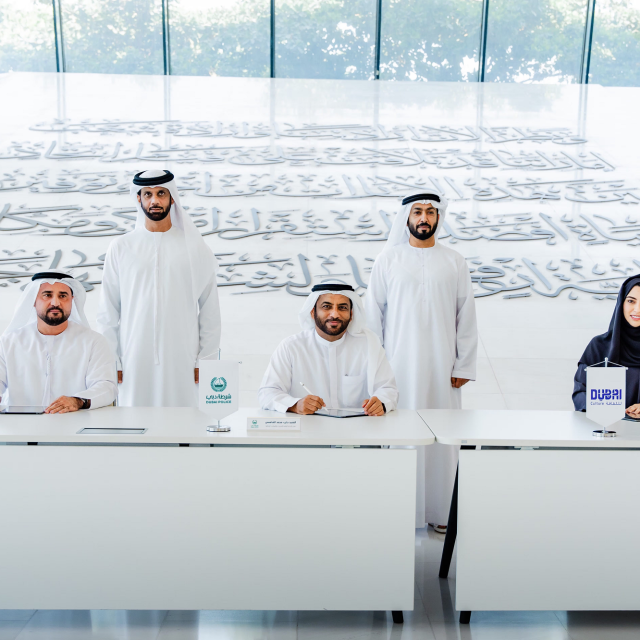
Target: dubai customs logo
606 396
218 384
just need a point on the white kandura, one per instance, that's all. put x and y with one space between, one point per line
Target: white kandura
344 373
36 369
159 308
420 303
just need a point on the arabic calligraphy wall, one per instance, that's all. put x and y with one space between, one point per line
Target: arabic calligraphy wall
292 182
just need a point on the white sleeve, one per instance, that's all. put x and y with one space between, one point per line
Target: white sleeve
101 380
466 327
274 393
209 321
109 309
384 386
3 371
375 302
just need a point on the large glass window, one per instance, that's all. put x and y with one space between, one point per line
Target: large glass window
435 40
113 36
220 37
26 36
325 38
615 53
535 40
527 40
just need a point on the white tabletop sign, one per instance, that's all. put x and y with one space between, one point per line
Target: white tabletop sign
273 423
219 387
606 392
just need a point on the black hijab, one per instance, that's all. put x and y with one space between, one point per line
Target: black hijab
621 343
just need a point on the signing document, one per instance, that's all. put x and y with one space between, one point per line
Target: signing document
339 360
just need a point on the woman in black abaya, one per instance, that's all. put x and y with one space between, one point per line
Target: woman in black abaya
621 344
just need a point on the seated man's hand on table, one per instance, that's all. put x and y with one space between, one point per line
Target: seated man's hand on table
373 407
64 404
307 405
633 411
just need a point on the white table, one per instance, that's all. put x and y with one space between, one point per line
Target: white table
271 520
549 520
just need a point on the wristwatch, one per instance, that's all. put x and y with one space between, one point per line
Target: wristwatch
86 404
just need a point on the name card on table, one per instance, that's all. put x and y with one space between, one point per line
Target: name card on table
606 394
280 423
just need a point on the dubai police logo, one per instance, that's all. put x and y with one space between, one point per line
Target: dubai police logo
218 384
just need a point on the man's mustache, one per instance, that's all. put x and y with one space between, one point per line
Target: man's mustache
50 309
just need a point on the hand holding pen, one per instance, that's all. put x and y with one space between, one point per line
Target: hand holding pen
307 405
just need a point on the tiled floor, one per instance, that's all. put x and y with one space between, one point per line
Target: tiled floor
433 617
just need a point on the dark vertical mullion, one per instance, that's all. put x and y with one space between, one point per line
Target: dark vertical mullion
482 50
272 22
61 65
166 43
376 63
587 42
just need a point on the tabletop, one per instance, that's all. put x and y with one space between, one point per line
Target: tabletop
171 425
525 429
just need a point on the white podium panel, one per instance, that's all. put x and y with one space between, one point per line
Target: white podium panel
140 527
548 530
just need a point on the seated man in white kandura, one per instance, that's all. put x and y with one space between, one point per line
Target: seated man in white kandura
340 362
49 356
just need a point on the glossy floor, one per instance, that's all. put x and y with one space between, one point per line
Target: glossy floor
433 617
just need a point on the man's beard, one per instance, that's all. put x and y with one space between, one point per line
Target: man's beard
328 330
424 230
156 216
53 321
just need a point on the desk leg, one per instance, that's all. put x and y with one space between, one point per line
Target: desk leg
465 617
398 617
452 532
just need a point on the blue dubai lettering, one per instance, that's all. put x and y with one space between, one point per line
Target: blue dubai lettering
608 396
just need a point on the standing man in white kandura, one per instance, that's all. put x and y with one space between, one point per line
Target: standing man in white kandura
159 305
420 303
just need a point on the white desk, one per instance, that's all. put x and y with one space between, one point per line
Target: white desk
171 425
550 528
258 521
